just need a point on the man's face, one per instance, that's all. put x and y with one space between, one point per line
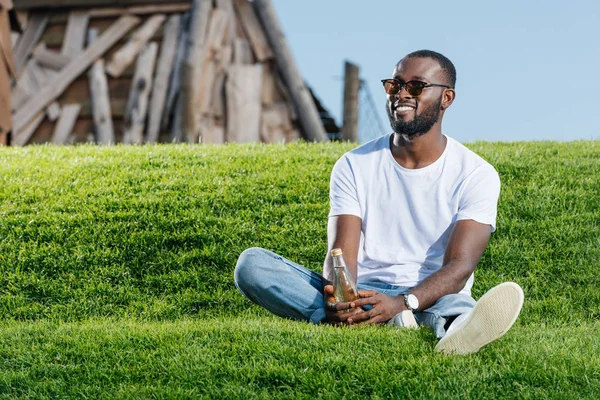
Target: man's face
413 116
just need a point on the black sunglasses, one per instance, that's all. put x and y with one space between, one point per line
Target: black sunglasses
414 88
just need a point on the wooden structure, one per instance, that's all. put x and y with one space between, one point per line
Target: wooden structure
351 89
138 71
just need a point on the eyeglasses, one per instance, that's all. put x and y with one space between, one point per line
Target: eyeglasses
414 88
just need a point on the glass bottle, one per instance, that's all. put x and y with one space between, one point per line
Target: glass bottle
344 287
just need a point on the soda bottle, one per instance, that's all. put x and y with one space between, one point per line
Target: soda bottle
344 288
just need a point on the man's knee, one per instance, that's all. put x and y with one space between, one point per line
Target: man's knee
248 266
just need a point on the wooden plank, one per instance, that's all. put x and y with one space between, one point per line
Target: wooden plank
163 73
242 52
351 89
137 106
68 74
310 121
25 131
174 84
100 98
41 77
75 34
207 79
275 123
191 68
35 27
29 4
210 133
140 10
217 105
254 30
49 58
243 91
64 126
131 49
217 29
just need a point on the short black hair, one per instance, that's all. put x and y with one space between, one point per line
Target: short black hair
444 62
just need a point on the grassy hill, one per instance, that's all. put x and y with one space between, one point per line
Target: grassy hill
116 269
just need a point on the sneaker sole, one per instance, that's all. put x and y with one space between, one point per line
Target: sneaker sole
493 315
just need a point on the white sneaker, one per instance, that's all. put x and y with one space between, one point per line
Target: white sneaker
493 315
404 319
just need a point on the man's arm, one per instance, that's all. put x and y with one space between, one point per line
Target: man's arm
466 245
343 232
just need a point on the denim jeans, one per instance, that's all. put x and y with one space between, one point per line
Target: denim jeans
292 291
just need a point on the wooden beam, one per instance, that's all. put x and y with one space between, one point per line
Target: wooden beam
75 34
23 134
163 73
137 106
68 74
64 126
253 30
310 121
29 4
49 58
191 68
35 27
140 10
125 56
100 99
243 91
174 84
351 89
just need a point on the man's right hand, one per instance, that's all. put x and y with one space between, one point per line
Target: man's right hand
332 309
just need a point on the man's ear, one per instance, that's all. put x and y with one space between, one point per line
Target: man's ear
448 98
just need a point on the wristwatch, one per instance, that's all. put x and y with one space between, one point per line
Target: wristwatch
411 302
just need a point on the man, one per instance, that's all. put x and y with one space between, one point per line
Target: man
413 213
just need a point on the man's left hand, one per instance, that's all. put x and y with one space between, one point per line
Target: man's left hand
385 307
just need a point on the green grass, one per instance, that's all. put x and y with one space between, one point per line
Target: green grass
116 270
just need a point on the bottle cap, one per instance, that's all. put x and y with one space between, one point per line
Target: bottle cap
336 252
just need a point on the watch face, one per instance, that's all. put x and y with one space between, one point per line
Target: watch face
412 301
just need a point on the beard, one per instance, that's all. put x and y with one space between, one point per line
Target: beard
420 124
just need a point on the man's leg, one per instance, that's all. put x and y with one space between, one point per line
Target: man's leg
281 286
491 317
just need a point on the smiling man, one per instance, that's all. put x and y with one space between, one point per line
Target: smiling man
413 212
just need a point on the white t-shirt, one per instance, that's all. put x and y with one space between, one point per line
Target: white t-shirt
407 214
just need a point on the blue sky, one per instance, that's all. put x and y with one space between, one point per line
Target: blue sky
527 70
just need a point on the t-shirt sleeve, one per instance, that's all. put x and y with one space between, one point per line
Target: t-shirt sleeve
343 196
479 200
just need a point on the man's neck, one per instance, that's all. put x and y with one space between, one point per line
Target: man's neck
418 152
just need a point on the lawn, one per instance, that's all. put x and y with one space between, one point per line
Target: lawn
116 267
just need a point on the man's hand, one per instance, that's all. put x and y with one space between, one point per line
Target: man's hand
333 309
385 307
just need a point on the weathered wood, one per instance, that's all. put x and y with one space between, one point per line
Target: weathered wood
310 121
49 58
351 89
140 10
270 91
29 4
79 64
75 34
217 105
35 27
174 84
253 30
163 73
191 68
217 28
207 79
24 132
64 126
210 133
242 52
41 77
275 123
137 106
100 99
131 49
243 91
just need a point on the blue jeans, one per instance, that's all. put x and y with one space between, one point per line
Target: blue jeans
292 291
